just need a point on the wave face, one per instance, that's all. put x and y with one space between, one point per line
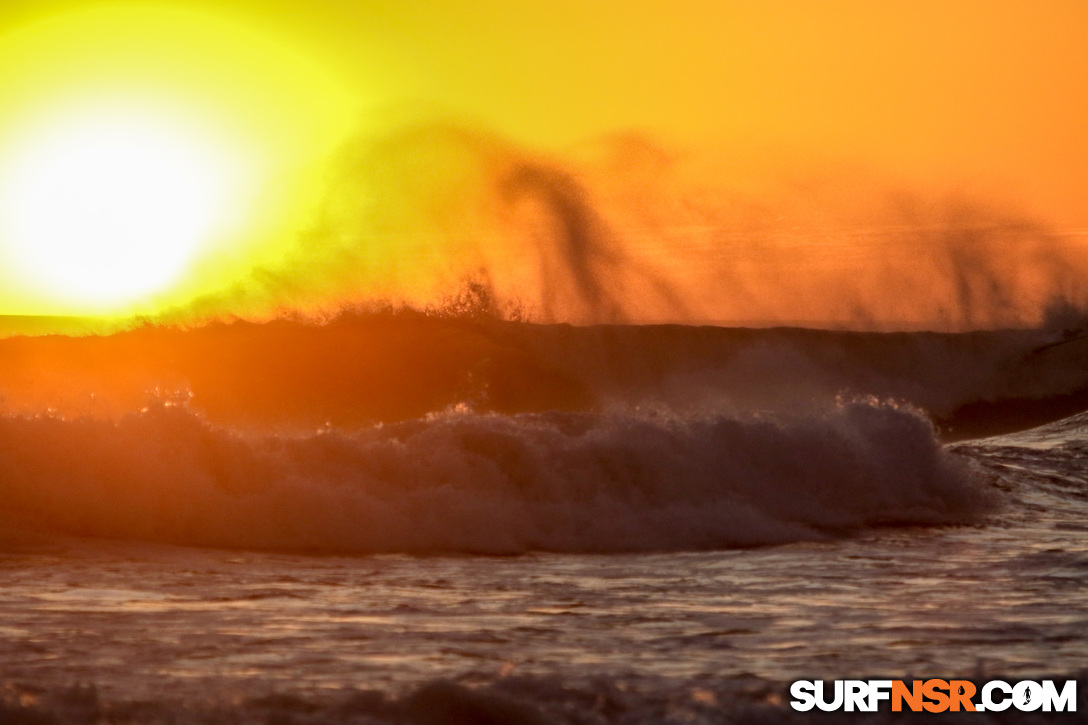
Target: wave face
411 432
472 482
359 370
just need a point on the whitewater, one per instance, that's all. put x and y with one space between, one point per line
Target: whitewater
413 518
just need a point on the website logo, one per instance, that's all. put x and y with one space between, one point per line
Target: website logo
933 695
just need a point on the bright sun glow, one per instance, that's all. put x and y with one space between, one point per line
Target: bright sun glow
152 153
104 210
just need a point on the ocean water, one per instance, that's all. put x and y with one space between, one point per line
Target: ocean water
398 518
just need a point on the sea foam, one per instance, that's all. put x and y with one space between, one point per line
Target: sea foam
482 482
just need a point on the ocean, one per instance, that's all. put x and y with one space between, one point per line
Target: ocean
402 517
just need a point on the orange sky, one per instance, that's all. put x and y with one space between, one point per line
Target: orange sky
963 90
966 90
984 98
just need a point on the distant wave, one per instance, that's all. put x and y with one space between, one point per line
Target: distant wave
361 369
470 482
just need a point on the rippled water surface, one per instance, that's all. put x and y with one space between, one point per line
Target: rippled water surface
145 623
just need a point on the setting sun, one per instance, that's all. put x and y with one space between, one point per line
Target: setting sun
102 209
152 153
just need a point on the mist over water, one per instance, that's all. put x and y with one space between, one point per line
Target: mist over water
626 229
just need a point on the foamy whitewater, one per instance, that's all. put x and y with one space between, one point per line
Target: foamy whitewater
396 518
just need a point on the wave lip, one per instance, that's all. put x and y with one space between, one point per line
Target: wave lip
485 483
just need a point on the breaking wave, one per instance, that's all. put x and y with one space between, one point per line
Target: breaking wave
484 483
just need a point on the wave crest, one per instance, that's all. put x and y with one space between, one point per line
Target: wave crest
470 482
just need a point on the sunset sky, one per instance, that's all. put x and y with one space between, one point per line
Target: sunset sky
979 95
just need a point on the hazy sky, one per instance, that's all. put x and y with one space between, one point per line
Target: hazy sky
981 97
965 89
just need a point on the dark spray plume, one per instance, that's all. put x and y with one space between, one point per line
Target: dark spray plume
432 216
624 230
